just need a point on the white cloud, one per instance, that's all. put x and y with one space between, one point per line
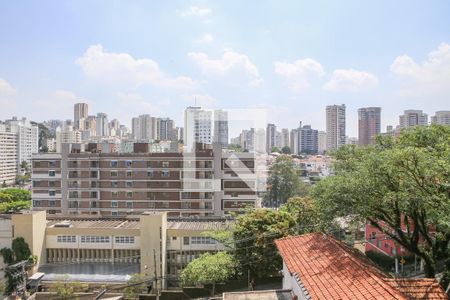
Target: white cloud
123 69
136 104
429 77
297 75
206 39
232 64
195 11
350 80
7 94
6 88
202 100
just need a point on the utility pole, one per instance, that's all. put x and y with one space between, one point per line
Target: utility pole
156 275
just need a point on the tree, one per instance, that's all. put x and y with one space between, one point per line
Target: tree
14 200
283 182
235 147
20 251
136 285
400 186
4 185
286 150
209 269
254 234
304 212
66 289
275 149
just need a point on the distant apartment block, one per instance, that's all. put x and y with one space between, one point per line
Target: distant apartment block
8 156
102 125
221 127
411 118
80 114
335 124
369 125
207 182
271 132
441 117
322 141
66 135
27 138
198 126
309 140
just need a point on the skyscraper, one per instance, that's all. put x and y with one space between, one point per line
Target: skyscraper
285 138
369 124
102 126
197 126
322 141
221 127
145 128
27 138
166 129
271 132
441 117
335 118
411 118
309 140
80 113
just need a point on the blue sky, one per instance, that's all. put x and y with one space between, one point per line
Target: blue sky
292 57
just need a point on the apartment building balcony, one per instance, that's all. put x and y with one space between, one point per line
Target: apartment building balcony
45 175
46 196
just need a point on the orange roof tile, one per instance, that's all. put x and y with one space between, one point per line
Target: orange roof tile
329 269
421 288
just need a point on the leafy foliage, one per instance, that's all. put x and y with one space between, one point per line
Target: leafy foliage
136 286
401 186
286 150
19 251
13 200
283 182
209 269
66 289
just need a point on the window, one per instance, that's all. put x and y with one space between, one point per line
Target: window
185 240
165 164
94 239
129 194
51 173
73 194
114 204
73 204
37 203
129 184
36 183
185 205
51 203
114 163
114 213
114 194
128 163
151 205
114 173
202 240
151 195
66 239
93 204
186 195
52 163
174 238
165 205
94 164
150 173
114 184
124 239
165 173
51 183
129 204
149 164
208 205
129 174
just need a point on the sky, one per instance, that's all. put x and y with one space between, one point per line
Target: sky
291 58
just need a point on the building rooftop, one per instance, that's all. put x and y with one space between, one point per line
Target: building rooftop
133 223
329 269
259 295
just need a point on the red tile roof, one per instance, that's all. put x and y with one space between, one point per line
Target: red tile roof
329 269
421 288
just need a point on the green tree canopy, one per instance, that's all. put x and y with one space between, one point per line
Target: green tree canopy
209 269
283 182
14 200
402 182
286 150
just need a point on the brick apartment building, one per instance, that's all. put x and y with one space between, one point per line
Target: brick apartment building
84 181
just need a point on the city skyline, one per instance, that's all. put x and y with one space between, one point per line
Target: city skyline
203 59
